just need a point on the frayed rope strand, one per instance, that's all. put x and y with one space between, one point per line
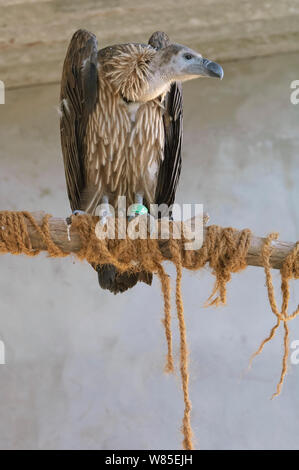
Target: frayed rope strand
288 271
186 424
165 285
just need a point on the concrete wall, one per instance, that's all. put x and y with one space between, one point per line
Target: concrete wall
84 369
34 33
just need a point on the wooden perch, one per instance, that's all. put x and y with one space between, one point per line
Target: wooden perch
58 229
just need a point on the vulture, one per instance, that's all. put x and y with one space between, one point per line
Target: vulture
121 117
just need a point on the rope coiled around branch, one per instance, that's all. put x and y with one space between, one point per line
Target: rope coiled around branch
223 249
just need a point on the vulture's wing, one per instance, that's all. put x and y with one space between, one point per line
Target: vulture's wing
79 89
170 168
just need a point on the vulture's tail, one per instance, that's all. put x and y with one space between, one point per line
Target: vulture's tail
111 279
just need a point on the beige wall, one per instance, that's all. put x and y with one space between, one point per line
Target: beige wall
85 368
34 33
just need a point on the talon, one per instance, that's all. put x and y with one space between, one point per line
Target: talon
78 212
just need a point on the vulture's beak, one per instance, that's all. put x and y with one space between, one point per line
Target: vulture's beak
206 68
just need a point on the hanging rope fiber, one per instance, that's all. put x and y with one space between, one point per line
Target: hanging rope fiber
224 250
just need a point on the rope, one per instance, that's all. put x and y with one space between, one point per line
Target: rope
165 286
186 425
289 270
224 250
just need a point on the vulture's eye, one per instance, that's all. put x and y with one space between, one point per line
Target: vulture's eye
188 56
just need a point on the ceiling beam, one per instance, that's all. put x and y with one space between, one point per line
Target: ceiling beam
34 34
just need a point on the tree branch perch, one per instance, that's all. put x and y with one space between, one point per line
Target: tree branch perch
58 229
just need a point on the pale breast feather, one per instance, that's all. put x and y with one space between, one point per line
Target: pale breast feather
124 145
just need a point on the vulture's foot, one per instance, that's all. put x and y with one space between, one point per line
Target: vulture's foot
69 219
78 212
69 222
136 210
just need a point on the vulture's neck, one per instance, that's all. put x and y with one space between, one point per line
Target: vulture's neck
157 84
134 72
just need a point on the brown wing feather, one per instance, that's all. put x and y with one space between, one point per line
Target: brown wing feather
79 90
170 167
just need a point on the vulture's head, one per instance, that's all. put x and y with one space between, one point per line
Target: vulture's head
142 73
181 63
176 62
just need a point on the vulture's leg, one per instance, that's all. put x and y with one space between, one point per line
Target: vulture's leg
104 210
138 209
139 198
